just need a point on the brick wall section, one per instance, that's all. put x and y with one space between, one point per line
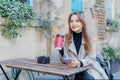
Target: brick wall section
101 20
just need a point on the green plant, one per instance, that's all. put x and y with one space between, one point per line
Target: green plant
96 7
114 26
110 53
48 18
17 15
118 54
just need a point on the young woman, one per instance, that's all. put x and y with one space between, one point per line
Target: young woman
78 46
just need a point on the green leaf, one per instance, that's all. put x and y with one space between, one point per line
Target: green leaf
17 14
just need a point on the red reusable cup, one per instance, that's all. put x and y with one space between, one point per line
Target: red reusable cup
59 39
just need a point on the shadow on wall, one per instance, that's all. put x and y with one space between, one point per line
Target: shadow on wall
55 56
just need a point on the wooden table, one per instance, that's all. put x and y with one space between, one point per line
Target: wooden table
31 65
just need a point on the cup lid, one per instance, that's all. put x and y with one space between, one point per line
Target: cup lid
60 35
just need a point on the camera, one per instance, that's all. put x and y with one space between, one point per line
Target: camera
43 60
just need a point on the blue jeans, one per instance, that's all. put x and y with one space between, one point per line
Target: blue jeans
83 76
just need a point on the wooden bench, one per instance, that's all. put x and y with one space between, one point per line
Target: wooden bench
31 65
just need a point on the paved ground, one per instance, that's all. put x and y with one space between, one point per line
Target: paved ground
116 75
51 77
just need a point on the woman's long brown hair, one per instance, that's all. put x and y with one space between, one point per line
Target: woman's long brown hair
88 44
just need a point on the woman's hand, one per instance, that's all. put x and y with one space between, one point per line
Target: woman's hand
74 63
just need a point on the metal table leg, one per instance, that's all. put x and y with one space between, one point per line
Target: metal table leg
17 74
65 78
4 72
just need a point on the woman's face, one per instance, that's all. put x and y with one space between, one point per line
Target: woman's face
75 24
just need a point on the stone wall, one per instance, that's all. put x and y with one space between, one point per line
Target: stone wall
33 43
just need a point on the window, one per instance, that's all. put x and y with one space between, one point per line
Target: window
28 1
76 5
109 9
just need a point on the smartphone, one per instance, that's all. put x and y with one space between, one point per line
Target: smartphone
66 60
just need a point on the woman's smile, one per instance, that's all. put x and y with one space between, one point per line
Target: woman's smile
74 27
